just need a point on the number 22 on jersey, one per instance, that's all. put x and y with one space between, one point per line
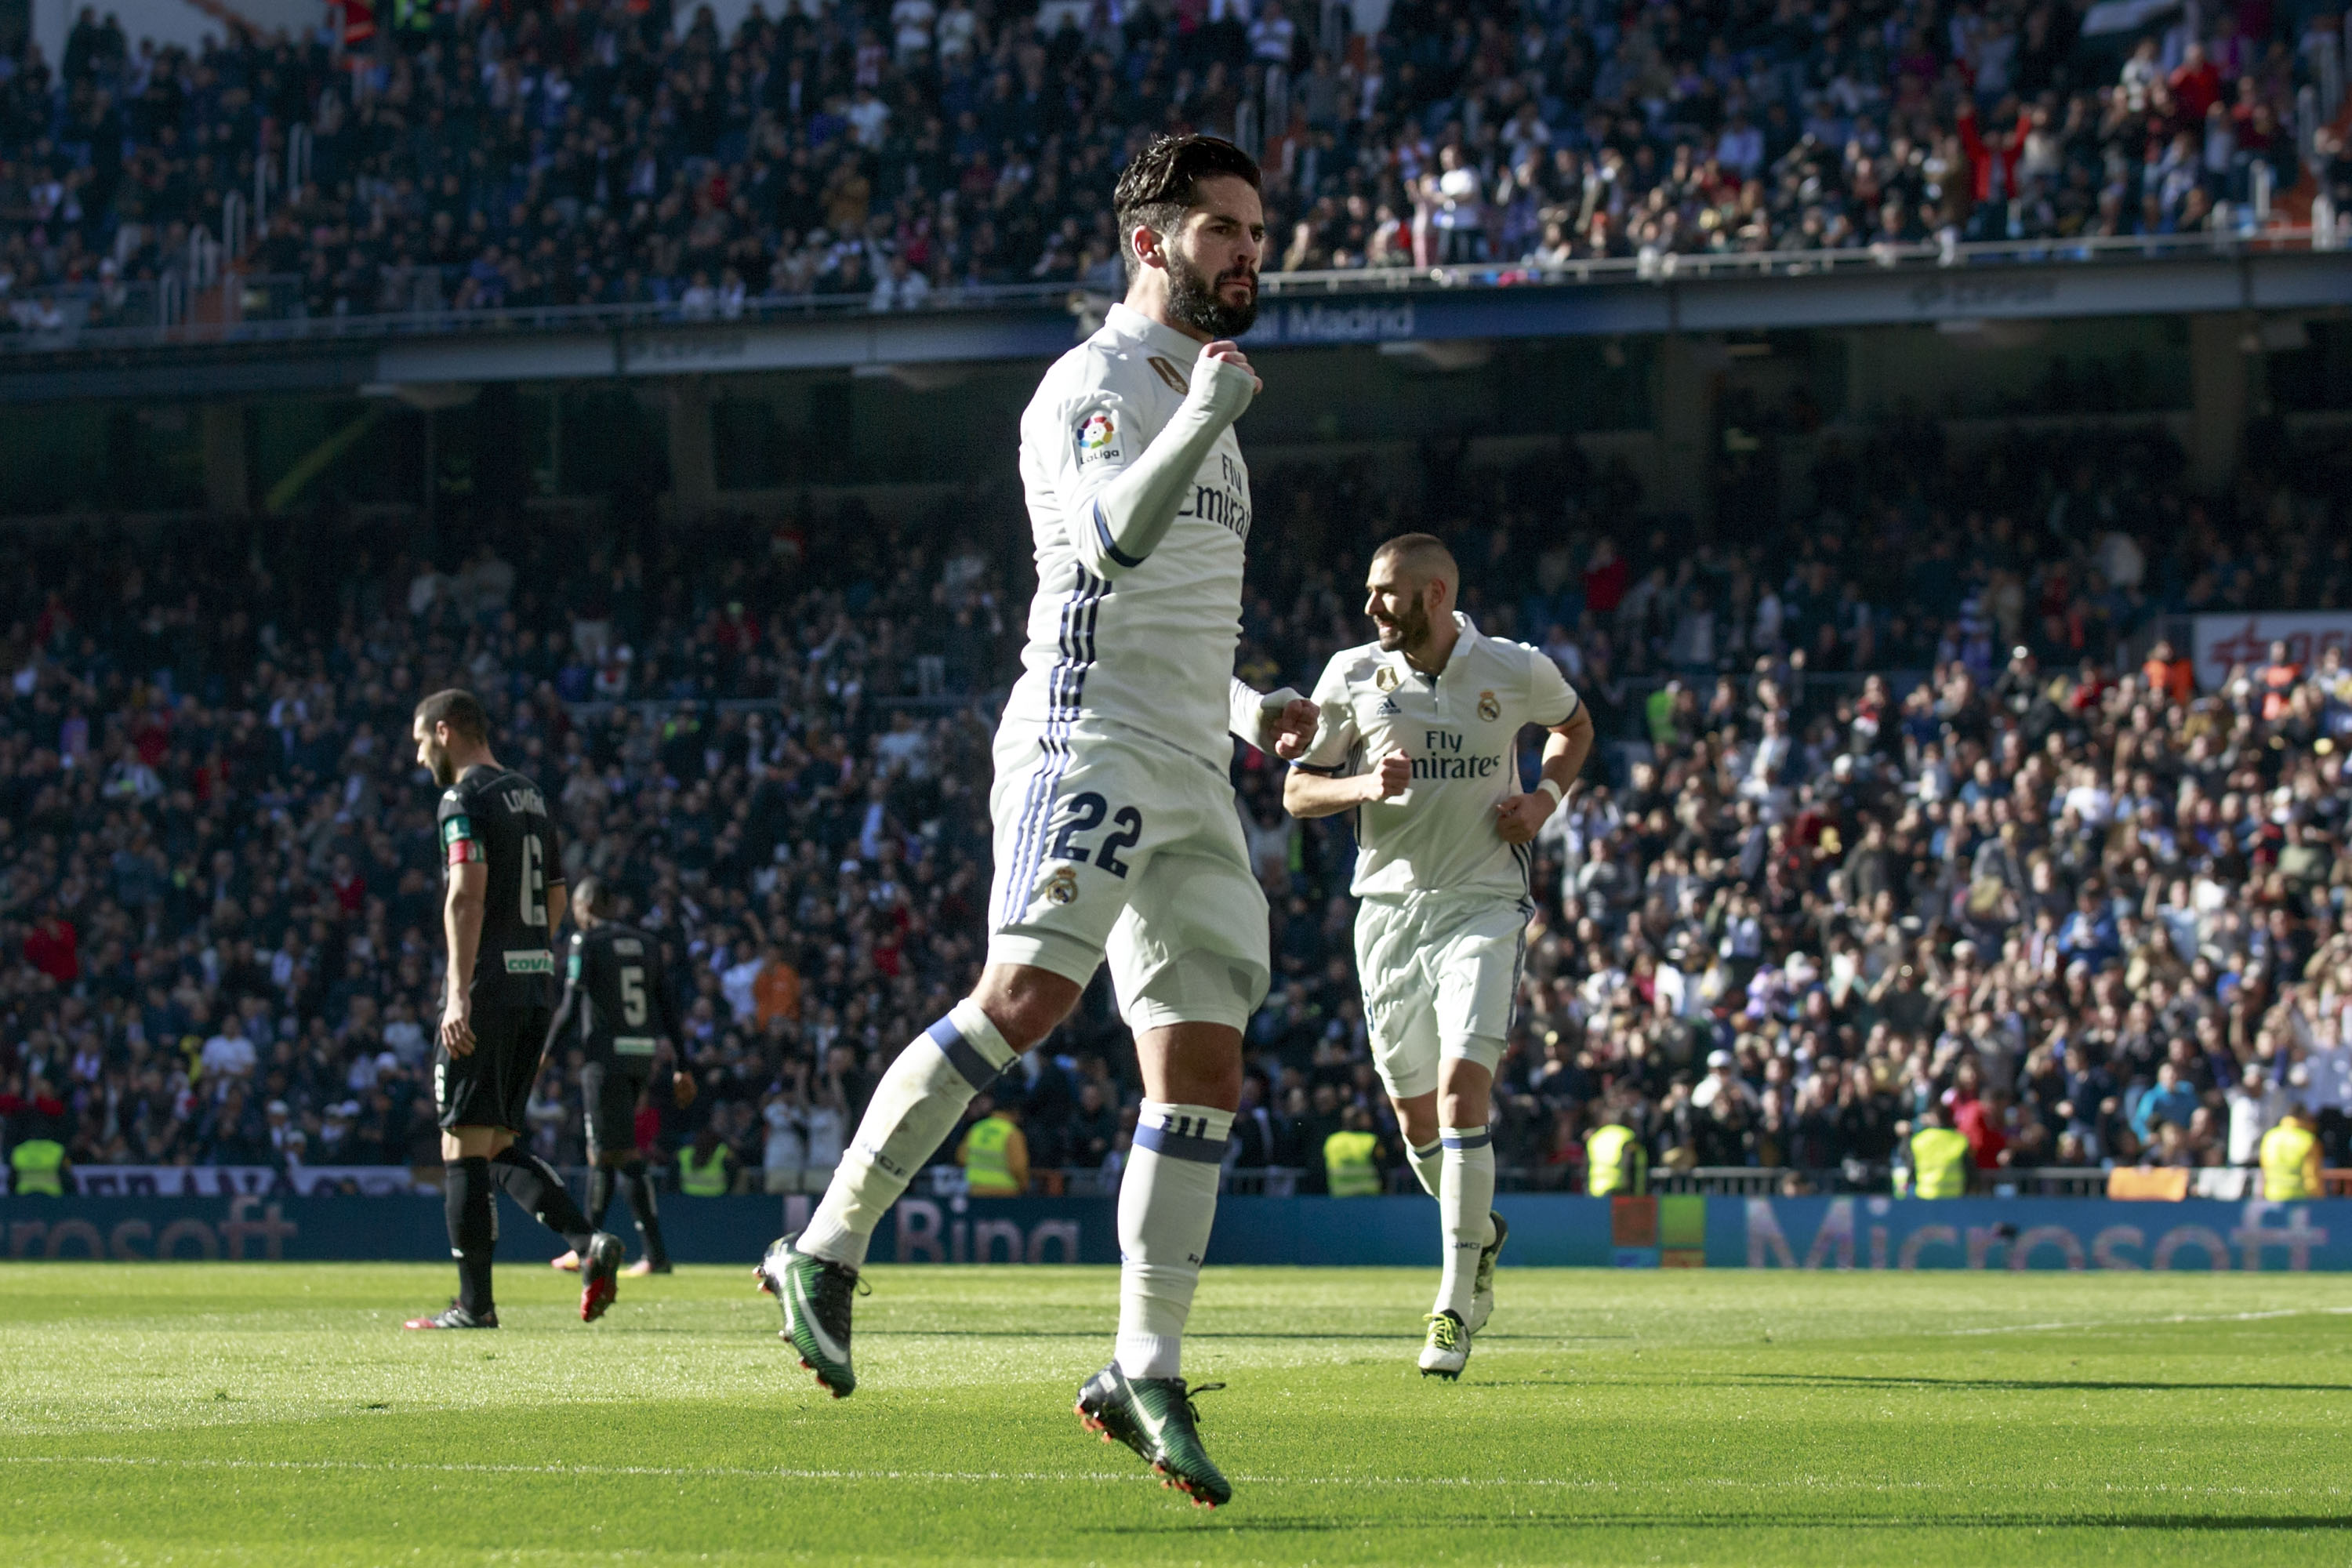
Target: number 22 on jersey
1085 814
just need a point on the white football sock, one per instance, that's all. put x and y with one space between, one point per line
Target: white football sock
1466 1196
915 1107
1426 1165
1167 1204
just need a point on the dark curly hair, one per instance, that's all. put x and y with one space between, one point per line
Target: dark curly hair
1157 187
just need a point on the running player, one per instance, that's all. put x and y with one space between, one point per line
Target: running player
1116 831
617 1009
1419 735
505 895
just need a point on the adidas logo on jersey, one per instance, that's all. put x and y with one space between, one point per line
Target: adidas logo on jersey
1388 708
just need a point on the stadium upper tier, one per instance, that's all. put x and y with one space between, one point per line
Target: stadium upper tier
529 167
2277 270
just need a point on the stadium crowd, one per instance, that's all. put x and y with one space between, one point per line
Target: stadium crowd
2042 878
479 156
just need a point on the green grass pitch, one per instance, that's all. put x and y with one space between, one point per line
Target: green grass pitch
205 1414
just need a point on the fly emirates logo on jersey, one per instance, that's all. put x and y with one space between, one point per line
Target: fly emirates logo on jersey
1443 756
1225 503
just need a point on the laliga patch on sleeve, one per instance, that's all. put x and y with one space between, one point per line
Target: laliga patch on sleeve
453 828
1098 436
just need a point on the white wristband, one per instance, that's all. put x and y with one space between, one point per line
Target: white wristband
1551 788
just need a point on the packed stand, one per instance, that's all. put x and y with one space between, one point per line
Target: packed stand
1913 803
478 157
2088 905
221 901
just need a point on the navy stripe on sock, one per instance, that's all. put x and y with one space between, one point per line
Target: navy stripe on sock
1467 1140
1170 1144
1424 1150
959 1050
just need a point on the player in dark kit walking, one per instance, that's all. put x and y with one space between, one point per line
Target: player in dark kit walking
505 897
617 1009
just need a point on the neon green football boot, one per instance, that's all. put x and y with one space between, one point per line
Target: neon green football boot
1482 1284
1446 1351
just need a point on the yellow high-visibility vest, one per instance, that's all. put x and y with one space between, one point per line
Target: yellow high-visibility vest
1615 1162
1348 1160
1940 1163
987 1162
36 1161
704 1180
2286 1151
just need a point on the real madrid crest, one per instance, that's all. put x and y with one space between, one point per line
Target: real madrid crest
1489 708
1385 677
1061 887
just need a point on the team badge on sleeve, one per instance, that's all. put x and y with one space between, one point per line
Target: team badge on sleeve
458 841
1098 436
1489 709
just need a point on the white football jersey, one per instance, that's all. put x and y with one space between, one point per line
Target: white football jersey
1152 652
1460 726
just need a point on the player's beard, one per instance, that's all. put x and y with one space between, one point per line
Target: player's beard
1193 299
1409 631
444 773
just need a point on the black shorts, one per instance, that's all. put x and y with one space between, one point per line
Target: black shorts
609 1092
490 1086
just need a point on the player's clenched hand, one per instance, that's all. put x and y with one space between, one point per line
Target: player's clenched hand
1225 349
457 1027
1391 779
1292 730
1522 817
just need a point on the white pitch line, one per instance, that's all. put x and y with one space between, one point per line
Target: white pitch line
688 1472
395 1467
2145 1323
390 1467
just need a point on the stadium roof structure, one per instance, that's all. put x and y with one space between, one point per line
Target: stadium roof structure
233 340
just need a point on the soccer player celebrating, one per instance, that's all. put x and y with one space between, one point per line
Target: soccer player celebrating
618 1010
1419 735
505 895
1114 829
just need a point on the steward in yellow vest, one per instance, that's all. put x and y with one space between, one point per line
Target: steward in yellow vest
39 1165
1940 1159
702 1167
2291 1159
1351 1157
995 1154
1615 1164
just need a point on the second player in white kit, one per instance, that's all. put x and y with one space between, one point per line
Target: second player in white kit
1115 833
1418 734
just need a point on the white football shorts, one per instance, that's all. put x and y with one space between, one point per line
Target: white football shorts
1132 851
1441 975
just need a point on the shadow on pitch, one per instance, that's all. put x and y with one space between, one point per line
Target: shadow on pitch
1297 1525
1017 1331
2012 1384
